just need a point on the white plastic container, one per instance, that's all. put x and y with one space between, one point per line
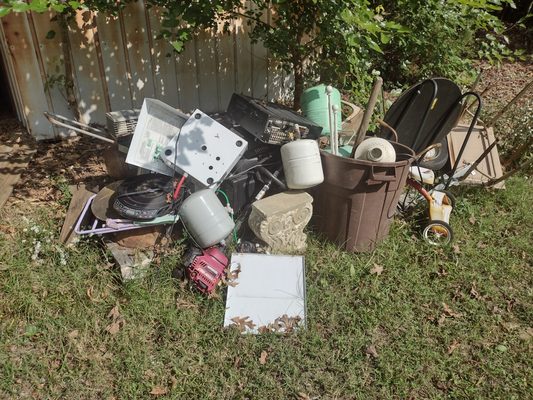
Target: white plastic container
301 164
375 150
205 218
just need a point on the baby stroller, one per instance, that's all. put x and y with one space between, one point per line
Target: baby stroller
421 118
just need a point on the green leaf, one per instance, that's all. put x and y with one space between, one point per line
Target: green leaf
374 46
385 38
178 45
51 34
4 11
20 7
31 330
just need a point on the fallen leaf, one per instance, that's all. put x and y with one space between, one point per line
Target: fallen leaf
376 269
527 334
90 293
456 249
73 334
113 328
55 364
263 358
159 391
511 326
303 396
441 319
481 245
501 348
449 311
241 323
472 220
371 351
114 313
455 344
174 381
474 293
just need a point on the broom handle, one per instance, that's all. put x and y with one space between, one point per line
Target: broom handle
378 83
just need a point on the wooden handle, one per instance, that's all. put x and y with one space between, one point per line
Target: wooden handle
378 83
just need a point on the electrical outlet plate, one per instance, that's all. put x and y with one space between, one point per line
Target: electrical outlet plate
206 150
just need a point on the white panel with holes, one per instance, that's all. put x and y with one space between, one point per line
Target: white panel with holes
204 149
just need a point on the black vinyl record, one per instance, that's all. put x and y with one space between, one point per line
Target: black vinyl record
144 197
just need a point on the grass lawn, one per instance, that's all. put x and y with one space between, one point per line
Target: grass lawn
436 323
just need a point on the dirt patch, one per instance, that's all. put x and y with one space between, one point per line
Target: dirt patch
499 84
55 165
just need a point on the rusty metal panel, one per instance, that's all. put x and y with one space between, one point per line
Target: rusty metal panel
137 47
163 58
91 92
22 58
114 60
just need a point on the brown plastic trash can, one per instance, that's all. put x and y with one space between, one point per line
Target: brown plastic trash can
355 204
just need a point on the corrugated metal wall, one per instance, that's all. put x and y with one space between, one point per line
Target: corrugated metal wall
118 62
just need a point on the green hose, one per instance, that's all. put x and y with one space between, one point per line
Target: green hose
232 217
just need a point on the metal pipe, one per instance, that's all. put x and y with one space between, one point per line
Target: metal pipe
468 134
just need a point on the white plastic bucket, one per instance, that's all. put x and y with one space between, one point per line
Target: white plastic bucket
301 164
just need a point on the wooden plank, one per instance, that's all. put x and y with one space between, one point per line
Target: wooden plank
22 57
114 59
480 140
166 80
80 195
138 50
13 161
90 91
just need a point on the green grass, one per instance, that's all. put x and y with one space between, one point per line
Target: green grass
54 313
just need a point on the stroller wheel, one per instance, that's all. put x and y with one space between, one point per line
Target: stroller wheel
438 233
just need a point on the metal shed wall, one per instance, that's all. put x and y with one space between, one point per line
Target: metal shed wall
118 62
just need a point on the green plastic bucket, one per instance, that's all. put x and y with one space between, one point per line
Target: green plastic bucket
315 106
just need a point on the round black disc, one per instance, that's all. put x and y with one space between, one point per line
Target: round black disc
144 197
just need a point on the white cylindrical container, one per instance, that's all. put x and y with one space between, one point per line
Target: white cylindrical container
376 150
301 164
205 218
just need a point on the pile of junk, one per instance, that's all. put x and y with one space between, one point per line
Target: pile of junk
241 187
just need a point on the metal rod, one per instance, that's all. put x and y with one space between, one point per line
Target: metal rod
468 134
493 182
508 105
479 159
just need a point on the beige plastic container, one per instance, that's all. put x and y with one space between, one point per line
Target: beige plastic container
301 164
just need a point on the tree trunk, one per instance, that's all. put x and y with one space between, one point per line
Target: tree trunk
298 84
